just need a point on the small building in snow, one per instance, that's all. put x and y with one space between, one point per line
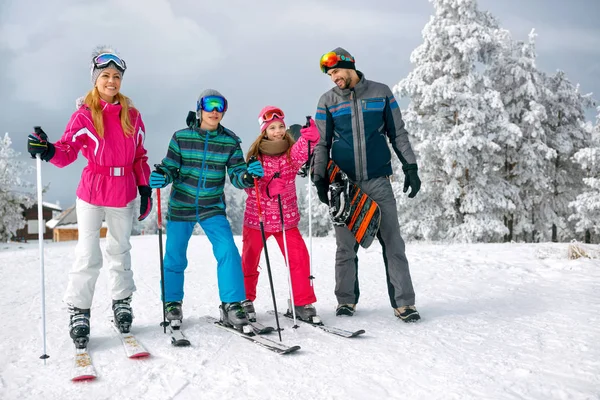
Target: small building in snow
64 226
31 229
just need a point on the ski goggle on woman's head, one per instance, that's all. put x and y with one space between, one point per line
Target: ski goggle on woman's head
103 60
270 115
330 60
212 103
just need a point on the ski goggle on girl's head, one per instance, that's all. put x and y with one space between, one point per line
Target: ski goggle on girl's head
270 115
330 60
104 59
212 103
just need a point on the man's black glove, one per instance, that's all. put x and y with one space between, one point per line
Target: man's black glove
411 179
322 186
37 143
145 202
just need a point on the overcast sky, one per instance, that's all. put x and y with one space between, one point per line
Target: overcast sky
255 53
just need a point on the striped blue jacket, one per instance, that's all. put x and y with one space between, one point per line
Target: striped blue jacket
355 126
196 163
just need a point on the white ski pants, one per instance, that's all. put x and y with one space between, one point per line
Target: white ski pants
88 256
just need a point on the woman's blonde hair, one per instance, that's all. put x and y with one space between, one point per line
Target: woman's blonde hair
254 150
92 100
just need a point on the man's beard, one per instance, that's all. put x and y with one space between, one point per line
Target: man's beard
345 83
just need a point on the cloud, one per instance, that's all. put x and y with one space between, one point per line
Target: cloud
557 38
54 52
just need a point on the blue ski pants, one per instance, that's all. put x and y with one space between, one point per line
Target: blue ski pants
229 263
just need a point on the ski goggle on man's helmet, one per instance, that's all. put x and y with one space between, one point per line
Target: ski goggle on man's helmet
330 60
212 103
104 59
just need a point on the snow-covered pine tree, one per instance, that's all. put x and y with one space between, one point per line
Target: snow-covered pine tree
12 200
459 129
521 85
567 133
236 204
321 221
587 204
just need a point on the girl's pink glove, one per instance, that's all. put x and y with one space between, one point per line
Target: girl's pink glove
311 133
275 187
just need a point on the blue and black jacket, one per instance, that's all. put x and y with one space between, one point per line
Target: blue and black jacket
355 126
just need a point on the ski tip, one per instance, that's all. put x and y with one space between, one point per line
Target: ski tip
292 349
83 378
180 343
142 354
358 333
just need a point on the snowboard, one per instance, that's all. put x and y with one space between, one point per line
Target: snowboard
364 215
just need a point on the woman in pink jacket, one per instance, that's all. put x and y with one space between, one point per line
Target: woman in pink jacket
278 153
109 132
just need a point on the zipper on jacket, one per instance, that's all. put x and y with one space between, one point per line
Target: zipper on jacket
356 110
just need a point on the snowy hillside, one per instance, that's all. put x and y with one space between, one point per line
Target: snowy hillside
500 321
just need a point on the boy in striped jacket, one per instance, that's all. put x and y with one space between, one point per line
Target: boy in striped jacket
198 159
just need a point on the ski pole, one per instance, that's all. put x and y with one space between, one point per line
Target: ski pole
264 240
310 252
38 161
285 251
162 267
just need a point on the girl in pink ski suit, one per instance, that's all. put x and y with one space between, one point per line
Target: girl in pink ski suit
276 150
109 133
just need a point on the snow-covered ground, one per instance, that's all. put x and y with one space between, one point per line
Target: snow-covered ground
500 321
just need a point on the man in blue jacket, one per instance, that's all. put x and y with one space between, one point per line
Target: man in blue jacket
354 119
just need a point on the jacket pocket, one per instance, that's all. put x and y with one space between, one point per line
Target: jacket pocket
373 104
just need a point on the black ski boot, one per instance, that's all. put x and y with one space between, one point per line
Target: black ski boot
174 313
79 326
123 315
233 314
250 311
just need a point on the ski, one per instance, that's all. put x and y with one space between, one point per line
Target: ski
178 339
276 347
261 329
133 348
83 369
324 327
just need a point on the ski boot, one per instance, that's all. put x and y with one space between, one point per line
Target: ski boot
174 313
79 326
307 313
345 309
250 311
123 315
233 315
407 313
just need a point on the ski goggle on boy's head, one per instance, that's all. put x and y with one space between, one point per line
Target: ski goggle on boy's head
104 59
212 103
330 60
270 115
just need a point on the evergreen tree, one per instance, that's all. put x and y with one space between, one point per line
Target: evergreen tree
13 200
567 133
460 129
587 204
236 204
526 156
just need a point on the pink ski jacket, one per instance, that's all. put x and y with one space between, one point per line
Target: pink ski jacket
117 164
270 207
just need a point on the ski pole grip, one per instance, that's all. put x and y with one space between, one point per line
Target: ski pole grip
308 117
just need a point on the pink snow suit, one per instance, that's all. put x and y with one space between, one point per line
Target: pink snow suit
251 236
117 164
